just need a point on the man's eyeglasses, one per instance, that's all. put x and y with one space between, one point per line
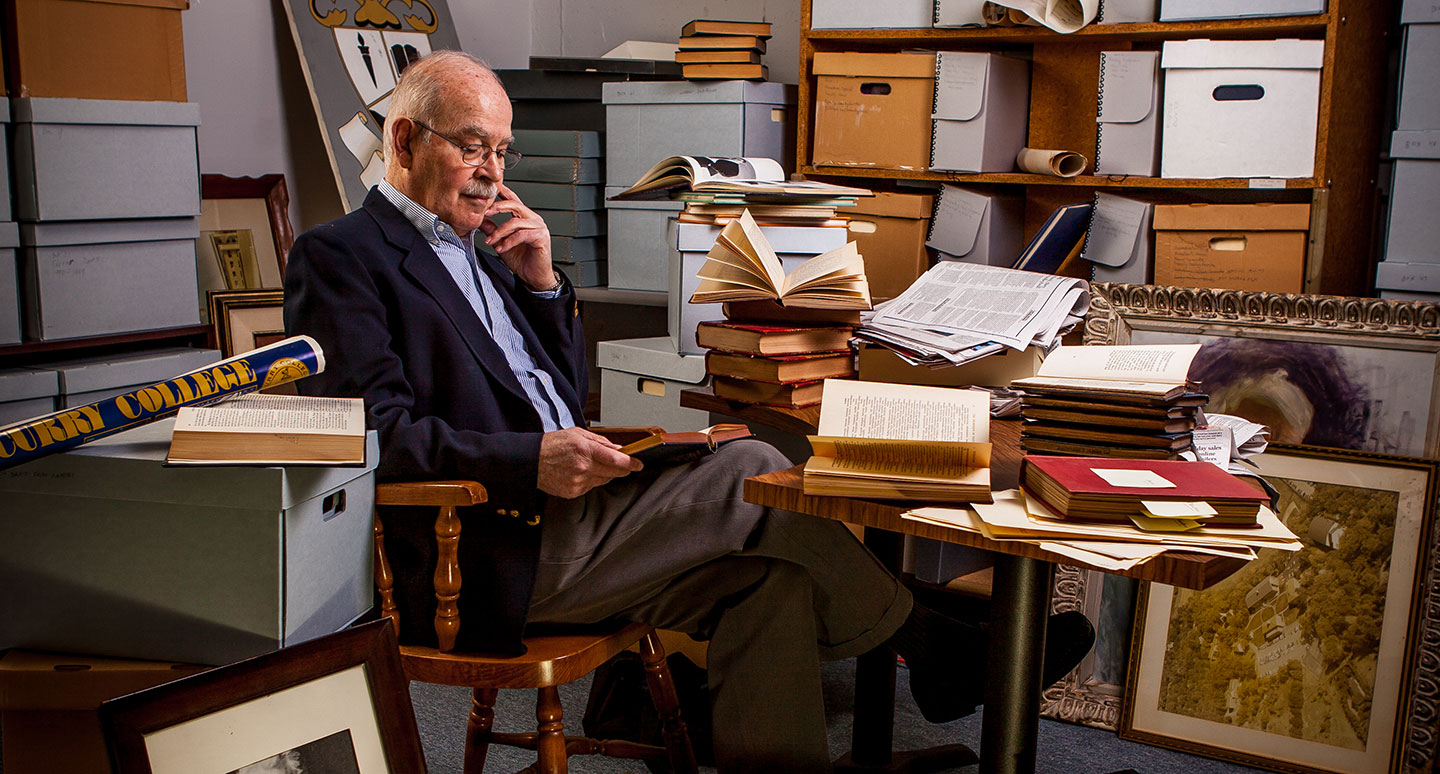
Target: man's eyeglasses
476 155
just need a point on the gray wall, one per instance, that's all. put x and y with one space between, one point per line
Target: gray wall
242 67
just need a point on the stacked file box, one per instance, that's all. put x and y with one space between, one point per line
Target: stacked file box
560 178
1411 268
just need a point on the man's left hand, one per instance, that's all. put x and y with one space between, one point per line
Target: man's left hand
523 241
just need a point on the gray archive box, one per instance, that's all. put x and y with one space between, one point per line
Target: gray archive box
110 552
1419 91
27 393
1414 231
9 285
4 159
638 243
641 380
89 379
96 159
648 121
91 278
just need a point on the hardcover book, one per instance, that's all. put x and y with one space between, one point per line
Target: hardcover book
725 27
742 266
1059 236
756 339
770 311
666 448
270 430
794 395
1105 489
752 42
780 369
726 71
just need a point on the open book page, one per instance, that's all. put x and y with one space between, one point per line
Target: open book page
939 461
856 409
744 234
841 264
726 268
1128 363
690 171
277 414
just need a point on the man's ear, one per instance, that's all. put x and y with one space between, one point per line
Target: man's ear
401 140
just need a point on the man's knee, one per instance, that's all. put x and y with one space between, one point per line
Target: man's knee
746 458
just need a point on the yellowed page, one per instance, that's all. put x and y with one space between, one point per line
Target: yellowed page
277 414
946 462
844 259
1126 362
745 237
856 409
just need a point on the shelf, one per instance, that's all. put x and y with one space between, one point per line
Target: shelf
1218 28
94 342
618 296
1081 181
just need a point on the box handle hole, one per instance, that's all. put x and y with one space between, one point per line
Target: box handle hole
874 88
650 387
1228 244
333 505
1248 92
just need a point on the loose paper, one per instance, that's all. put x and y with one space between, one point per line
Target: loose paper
1059 15
1163 525
1058 163
1214 445
1173 509
1135 479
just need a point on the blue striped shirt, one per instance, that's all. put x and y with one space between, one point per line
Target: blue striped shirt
457 255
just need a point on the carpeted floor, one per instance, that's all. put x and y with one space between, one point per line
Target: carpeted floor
1063 748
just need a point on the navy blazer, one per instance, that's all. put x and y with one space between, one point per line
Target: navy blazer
396 331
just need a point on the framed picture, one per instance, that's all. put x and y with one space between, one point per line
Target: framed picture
1319 660
339 704
1093 693
245 233
246 319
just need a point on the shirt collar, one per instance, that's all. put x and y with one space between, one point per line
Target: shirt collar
430 226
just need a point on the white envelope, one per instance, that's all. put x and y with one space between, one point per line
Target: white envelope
976 228
1127 138
1118 244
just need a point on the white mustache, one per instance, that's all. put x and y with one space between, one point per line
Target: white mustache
481 188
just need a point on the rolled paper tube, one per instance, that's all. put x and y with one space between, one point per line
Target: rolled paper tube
1060 163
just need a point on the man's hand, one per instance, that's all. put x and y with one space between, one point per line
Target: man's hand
574 460
523 241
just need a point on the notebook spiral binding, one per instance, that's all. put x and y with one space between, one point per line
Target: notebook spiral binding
1094 207
935 105
1100 110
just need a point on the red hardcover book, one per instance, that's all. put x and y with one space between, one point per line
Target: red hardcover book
757 339
1071 487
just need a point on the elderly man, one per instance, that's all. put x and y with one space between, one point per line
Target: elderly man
471 365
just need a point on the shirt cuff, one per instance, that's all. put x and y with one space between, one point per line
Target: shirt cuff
553 291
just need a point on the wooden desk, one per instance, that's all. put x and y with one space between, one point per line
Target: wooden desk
1020 602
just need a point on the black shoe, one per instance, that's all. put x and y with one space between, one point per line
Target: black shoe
953 688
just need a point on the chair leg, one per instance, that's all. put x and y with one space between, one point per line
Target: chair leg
477 730
551 743
667 704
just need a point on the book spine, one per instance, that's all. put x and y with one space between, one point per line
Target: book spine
278 363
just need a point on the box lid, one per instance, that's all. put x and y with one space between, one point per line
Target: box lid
1128 80
130 467
54 233
798 240
956 225
1415 144
684 92
1287 54
108 372
655 356
960 81
32 680
9 235
893 205
4 110
1117 226
1405 275
27 383
67 110
1420 12
900 65
1259 216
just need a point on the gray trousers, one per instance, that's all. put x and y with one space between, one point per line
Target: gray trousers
775 593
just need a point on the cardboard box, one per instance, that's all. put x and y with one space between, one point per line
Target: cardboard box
975 227
96 49
94 159
1240 108
1408 277
91 278
878 364
646 122
639 242
793 244
870 109
889 231
27 393
1419 90
88 379
641 380
49 703
1413 230
1127 139
863 14
9 285
1189 10
1232 246
1127 12
110 552
1117 243
982 111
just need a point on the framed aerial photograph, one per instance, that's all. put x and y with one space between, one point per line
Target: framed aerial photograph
1317 660
338 704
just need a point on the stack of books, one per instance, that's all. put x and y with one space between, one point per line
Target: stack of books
717 190
560 178
712 49
1130 402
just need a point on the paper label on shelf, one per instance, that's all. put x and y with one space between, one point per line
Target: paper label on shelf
1134 479
1267 182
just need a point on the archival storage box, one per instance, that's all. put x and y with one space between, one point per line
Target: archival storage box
976 227
869 15
1406 277
638 244
871 110
889 231
97 159
982 111
1414 231
1189 10
792 244
1240 108
49 703
92 278
9 283
1127 123
89 379
110 552
647 121
641 380
1419 90
96 49
1258 246
26 393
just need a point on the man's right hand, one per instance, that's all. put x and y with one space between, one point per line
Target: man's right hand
574 460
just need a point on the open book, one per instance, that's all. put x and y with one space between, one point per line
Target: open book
667 448
742 266
905 442
271 430
750 175
1155 372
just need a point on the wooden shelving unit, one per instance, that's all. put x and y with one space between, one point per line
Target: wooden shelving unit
1064 81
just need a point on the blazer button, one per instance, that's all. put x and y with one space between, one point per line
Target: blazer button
514 514
534 520
500 511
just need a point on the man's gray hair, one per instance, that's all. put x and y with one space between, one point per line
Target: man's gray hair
420 93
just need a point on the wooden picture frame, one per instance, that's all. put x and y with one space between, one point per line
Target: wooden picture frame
246 319
245 234
341 700
1320 660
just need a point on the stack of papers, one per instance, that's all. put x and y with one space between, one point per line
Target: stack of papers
958 312
1116 547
